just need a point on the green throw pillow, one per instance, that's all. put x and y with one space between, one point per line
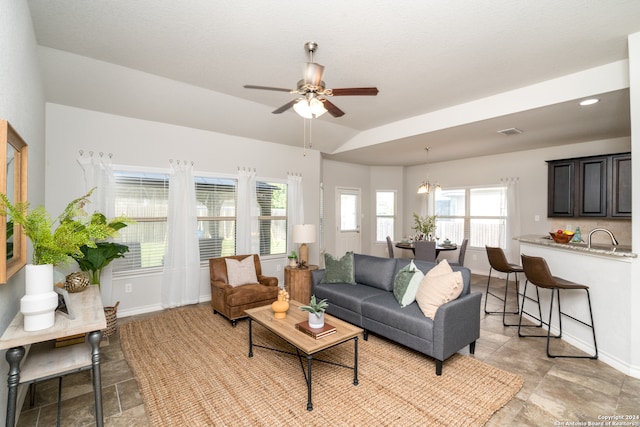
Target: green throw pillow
406 284
339 270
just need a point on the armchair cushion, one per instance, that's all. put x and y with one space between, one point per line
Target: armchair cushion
241 272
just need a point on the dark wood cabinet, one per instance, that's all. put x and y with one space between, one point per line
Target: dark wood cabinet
596 186
592 186
621 186
561 187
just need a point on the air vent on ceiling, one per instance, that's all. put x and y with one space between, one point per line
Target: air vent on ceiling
510 131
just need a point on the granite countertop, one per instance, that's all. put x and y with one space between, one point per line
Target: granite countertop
609 250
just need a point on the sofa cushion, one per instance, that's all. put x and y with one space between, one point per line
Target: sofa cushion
384 309
375 271
439 286
241 272
348 297
406 284
339 270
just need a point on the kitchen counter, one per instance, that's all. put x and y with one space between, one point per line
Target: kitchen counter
603 250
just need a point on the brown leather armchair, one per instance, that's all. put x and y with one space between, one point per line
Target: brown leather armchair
231 301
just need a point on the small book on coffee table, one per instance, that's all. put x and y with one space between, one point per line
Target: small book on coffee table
316 333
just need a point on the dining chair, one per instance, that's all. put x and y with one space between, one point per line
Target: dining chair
463 251
390 247
425 250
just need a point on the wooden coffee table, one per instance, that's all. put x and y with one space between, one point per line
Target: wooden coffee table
286 329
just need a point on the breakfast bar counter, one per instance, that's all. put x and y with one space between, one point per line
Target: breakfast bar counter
598 250
607 272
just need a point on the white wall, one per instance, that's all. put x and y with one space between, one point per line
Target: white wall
22 104
136 142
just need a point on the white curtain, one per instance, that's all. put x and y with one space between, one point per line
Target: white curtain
247 239
98 174
181 275
295 206
513 220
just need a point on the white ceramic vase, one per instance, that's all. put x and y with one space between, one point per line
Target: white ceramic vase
316 321
39 304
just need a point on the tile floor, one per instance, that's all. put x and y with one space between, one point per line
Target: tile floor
556 391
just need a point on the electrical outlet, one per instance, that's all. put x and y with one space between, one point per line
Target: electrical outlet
278 267
474 257
128 288
536 218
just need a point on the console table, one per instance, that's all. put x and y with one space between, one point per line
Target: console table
45 362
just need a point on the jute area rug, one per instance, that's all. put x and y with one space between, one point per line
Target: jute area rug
193 370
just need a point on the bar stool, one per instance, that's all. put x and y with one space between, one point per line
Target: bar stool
537 272
498 261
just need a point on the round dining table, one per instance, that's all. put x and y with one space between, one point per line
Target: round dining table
439 248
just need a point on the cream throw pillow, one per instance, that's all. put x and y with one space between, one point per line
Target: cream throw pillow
241 272
440 285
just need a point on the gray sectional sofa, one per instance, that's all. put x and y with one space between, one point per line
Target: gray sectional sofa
371 305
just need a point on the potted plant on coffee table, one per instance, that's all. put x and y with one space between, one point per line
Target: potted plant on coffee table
316 311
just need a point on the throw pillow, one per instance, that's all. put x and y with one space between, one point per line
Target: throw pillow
241 272
339 270
438 288
441 268
406 284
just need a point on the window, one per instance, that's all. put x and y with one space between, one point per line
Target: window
142 197
272 208
385 215
478 214
216 211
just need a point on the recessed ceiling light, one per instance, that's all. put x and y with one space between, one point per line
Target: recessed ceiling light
510 131
589 101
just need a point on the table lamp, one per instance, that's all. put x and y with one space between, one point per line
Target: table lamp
303 234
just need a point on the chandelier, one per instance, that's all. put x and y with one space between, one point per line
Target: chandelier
426 186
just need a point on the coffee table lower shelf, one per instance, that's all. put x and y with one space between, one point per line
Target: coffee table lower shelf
303 344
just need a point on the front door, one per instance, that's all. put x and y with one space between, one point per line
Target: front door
348 220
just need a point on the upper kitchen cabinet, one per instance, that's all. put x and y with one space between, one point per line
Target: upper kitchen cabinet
596 186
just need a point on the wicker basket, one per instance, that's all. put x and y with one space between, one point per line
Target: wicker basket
76 282
111 313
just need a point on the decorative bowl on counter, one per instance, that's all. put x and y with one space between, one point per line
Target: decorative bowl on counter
561 237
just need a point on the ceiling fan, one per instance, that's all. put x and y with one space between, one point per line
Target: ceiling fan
313 101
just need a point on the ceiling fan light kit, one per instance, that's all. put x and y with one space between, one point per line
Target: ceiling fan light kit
314 103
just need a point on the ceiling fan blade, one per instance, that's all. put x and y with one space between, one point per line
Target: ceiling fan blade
313 73
285 107
355 91
332 109
279 89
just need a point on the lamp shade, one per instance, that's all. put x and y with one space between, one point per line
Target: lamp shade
304 233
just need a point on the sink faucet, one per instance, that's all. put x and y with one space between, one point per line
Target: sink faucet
613 239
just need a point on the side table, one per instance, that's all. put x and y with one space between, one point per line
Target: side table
297 282
43 363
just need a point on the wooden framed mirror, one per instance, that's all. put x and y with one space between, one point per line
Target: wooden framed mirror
13 183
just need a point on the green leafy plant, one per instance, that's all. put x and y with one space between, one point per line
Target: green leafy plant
96 259
424 224
315 307
293 255
56 240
